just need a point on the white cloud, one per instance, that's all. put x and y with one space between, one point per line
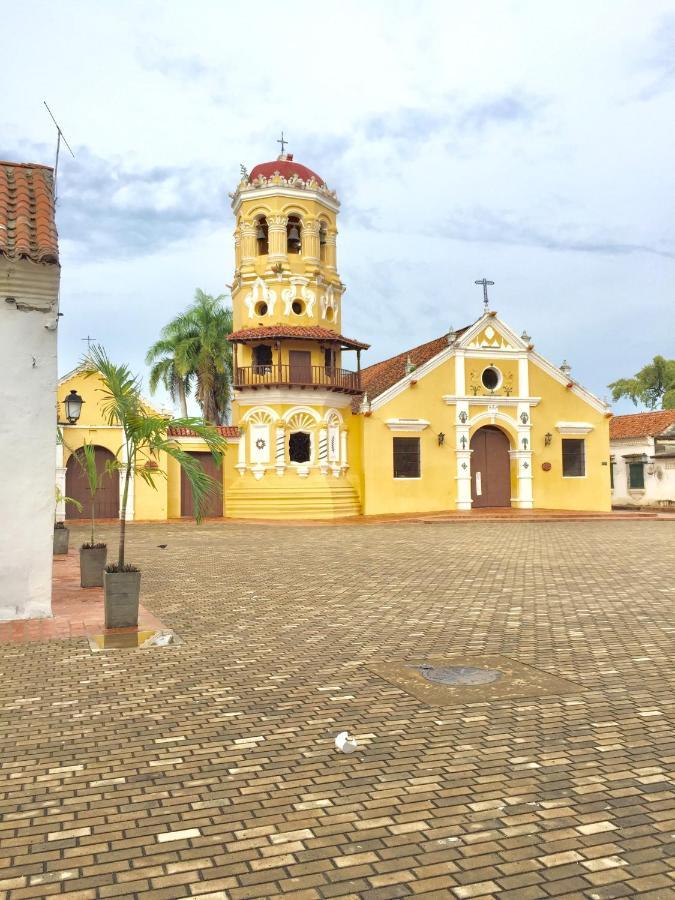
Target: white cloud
523 141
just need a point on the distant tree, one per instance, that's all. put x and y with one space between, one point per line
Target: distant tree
652 385
194 345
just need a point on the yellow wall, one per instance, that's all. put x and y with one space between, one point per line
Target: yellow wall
149 503
551 490
435 489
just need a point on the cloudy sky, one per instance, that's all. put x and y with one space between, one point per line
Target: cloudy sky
525 141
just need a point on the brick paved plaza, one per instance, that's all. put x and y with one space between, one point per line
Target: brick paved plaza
208 768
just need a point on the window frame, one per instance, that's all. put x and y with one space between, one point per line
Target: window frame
582 443
397 442
636 464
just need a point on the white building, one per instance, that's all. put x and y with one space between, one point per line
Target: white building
29 279
642 448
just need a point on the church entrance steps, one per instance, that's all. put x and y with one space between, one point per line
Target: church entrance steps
320 499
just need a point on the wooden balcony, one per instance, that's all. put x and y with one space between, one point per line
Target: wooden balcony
276 375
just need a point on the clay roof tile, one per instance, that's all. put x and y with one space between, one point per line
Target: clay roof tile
27 225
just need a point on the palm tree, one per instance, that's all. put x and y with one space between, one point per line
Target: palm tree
145 435
195 344
162 357
209 323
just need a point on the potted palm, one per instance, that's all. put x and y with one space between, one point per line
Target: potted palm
93 554
61 533
145 436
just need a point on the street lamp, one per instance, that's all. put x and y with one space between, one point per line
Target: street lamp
73 406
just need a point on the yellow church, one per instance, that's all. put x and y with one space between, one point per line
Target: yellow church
475 418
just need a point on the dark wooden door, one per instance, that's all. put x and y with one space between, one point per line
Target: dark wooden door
300 366
490 468
107 502
214 503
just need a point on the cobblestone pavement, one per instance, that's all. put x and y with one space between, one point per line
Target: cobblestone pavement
208 769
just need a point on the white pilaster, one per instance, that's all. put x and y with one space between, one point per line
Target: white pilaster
523 377
60 482
323 451
460 381
241 456
343 449
280 451
523 461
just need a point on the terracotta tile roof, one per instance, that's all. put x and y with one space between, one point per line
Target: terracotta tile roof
27 227
227 431
641 424
297 332
377 378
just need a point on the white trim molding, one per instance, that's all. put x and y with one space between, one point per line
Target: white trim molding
407 424
574 427
490 400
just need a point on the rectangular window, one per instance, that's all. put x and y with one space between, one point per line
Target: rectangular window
636 476
406 457
573 458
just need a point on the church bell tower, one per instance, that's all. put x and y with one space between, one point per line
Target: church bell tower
295 374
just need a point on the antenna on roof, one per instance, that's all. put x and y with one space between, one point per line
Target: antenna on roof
59 135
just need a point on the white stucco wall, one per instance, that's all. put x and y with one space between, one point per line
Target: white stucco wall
27 433
659 475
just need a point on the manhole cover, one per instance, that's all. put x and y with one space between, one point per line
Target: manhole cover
457 674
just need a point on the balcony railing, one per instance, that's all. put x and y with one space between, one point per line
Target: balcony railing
274 375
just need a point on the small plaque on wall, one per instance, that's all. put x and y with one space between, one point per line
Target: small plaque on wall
546 466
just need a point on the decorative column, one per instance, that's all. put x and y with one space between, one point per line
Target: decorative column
323 451
310 241
130 495
331 250
248 247
277 242
241 457
237 249
344 463
463 455
522 457
60 482
280 448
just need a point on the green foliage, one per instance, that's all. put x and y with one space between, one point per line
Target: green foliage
194 347
146 436
60 497
652 385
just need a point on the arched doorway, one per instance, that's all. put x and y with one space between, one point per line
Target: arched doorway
107 502
490 468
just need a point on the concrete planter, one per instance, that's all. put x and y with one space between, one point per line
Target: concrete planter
92 564
121 591
61 540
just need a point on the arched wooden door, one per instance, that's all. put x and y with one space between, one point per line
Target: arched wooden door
490 468
214 502
107 502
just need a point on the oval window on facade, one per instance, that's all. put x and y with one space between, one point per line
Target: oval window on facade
491 378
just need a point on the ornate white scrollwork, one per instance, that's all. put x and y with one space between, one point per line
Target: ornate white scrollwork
329 301
260 291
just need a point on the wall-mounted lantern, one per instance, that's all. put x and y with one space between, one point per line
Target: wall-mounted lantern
463 417
548 437
524 418
73 406
441 438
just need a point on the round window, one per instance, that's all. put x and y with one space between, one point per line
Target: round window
491 378
298 307
261 308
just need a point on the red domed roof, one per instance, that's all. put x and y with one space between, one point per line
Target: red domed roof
285 166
